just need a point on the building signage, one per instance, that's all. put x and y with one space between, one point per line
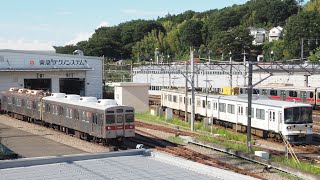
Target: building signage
62 62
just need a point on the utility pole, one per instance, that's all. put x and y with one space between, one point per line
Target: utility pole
249 107
301 49
192 90
186 95
230 73
245 68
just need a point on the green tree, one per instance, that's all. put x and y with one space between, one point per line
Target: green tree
191 33
305 25
314 56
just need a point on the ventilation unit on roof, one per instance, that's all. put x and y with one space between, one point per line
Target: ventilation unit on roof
13 89
107 102
22 90
72 97
88 99
58 95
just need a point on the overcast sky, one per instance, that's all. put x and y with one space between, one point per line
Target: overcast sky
39 24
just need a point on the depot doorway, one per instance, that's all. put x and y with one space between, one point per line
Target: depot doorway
38 84
72 86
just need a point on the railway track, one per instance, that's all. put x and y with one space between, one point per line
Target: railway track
154 142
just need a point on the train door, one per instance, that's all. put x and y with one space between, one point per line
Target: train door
283 95
240 117
272 120
317 95
303 96
280 122
120 123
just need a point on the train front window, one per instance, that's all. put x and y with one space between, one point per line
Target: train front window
129 118
110 119
298 115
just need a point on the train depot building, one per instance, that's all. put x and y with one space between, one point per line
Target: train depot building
49 71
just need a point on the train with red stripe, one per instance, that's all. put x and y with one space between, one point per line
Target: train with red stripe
89 118
309 95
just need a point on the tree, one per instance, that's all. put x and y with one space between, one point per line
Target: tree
191 34
235 41
314 56
302 27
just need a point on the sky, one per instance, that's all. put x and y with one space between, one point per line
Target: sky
41 24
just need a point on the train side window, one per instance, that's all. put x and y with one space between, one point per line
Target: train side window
9 100
13 100
94 118
203 103
66 112
260 114
76 114
23 102
47 108
129 118
18 102
100 119
274 116
252 112
174 99
110 119
293 94
222 107
70 113
88 117
215 105
231 108
34 105
311 95
60 109
240 110
273 92
189 101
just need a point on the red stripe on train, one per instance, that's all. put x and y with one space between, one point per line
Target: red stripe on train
119 127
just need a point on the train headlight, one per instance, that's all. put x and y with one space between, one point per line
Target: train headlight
109 128
310 126
288 127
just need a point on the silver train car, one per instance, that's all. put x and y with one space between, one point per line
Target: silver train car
270 118
84 117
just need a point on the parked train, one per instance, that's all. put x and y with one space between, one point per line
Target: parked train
310 95
85 117
270 118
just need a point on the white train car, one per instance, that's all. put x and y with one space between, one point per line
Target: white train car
270 118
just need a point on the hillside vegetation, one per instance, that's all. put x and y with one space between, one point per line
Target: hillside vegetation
213 32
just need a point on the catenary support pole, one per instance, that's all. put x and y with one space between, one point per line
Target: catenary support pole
230 73
186 95
249 107
192 90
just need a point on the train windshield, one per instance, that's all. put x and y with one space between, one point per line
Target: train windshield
298 115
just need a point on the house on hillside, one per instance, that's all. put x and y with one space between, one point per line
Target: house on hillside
275 33
259 35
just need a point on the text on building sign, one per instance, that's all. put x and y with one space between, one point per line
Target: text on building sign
61 62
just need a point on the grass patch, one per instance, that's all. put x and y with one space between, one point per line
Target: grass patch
224 142
288 176
198 126
175 139
306 166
